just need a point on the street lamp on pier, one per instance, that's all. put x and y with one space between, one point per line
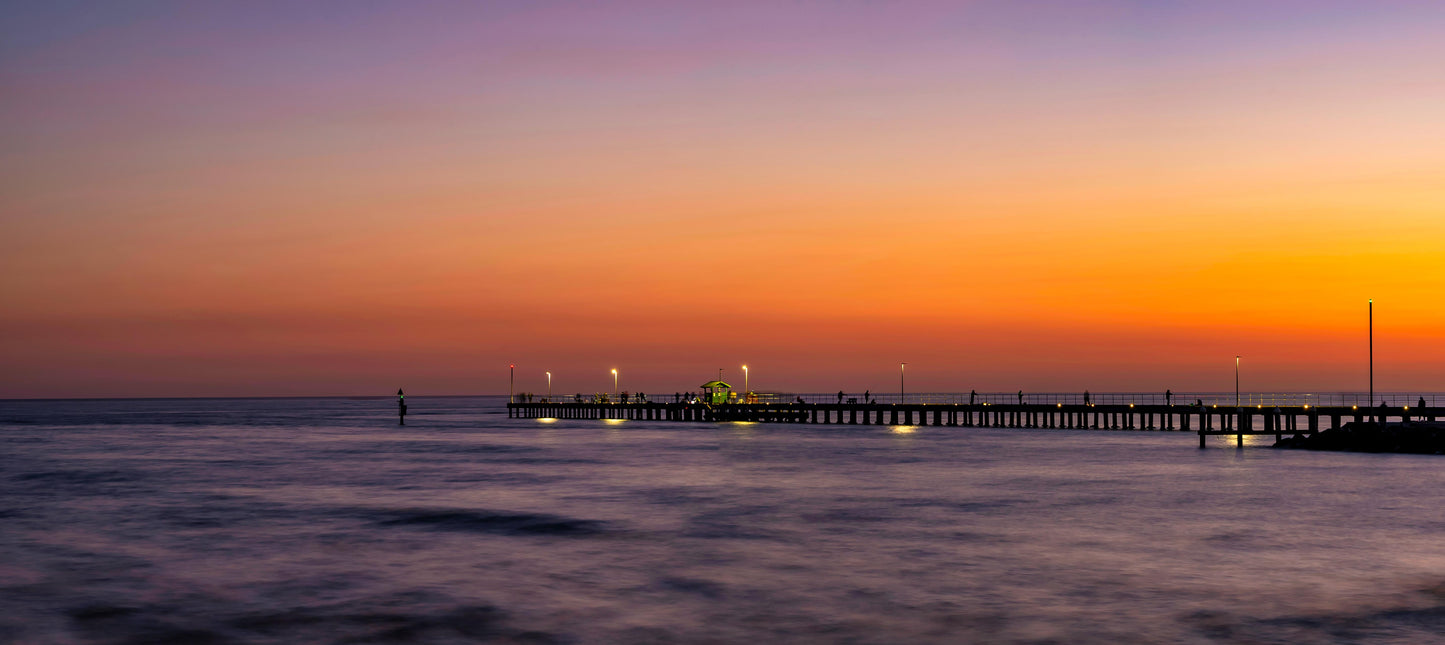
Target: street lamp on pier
1236 381
614 385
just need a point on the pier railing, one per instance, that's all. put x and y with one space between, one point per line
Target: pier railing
1220 399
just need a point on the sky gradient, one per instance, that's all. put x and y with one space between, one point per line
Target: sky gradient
338 198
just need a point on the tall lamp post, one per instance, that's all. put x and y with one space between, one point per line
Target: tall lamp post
511 382
745 381
614 385
1236 381
1372 352
549 387
901 397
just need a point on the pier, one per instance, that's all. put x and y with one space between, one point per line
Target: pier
1205 420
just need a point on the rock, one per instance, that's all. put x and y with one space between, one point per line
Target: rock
1419 438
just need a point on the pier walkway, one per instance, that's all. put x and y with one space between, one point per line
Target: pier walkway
1203 419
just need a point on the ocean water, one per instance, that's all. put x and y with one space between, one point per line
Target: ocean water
322 521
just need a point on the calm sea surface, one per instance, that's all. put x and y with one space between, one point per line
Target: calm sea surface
321 521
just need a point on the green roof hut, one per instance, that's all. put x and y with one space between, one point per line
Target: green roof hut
716 392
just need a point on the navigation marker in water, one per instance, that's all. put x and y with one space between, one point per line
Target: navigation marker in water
400 407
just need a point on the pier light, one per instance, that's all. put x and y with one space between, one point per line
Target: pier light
1407 407
1307 406
614 384
1131 405
1061 405
745 380
1354 407
1236 381
1259 406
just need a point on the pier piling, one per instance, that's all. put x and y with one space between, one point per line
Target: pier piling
1204 420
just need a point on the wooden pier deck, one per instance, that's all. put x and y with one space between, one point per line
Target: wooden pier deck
1205 420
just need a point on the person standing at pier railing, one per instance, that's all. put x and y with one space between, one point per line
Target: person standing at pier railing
840 397
1086 397
1021 397
972 394
866 395
1168 397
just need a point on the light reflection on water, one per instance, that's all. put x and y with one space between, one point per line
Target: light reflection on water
322 521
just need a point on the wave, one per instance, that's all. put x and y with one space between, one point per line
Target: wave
494 522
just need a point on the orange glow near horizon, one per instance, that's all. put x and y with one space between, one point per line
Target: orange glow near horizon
1077 209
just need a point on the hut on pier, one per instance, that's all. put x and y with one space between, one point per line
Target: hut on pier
716 392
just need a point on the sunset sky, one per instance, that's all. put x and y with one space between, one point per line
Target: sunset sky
338 198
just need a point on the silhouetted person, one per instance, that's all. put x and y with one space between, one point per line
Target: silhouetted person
866 395
1168 397
1021 397
840 397
1086 397
400 407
